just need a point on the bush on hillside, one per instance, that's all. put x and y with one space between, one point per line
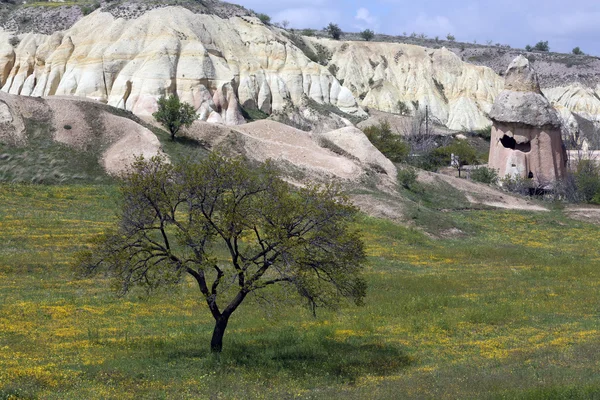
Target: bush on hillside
577 51
264 18
485 175
407 177
587 179
392 145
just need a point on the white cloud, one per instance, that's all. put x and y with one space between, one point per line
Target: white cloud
362 14
365 19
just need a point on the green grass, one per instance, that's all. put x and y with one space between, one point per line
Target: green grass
507 311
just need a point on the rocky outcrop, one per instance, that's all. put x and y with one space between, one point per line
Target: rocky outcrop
347 156
82 125
213 63
400 78
219 57
526 133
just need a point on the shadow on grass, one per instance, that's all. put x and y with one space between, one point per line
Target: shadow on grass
316 353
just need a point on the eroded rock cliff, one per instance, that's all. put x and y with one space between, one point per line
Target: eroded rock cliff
213 63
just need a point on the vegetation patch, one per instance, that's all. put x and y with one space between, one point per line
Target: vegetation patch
484 316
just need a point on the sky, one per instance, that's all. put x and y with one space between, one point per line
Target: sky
564 24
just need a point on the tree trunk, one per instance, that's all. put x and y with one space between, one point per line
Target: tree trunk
216 343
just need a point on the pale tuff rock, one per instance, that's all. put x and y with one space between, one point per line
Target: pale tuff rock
459 95
304 157
353 142
520 77
79 124
213 63
526 135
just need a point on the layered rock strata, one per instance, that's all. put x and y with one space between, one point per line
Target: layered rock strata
401 78
213 63
526 133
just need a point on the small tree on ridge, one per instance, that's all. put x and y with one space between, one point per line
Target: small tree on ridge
334 31
367 34
173 114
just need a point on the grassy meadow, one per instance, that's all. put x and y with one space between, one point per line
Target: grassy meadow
507 308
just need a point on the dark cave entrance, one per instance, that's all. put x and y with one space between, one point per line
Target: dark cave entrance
510 143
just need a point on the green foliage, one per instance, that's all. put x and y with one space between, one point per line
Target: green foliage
528 48
221 220
173 114
407 177
587 179
470 313
403 109
264 18
253 114
517 184
392 145
451 37
485 175
541 46
334 31
485 133
89 8
577 51
308 32
367 34
465 153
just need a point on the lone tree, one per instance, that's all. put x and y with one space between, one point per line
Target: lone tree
577 51
179 220
334 31
367 34
173 114
542 46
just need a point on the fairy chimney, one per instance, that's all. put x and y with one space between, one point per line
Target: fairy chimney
526 133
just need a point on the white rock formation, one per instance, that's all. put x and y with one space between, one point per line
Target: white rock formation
218 64
212 63
458 94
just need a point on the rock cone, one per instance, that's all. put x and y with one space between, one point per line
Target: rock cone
526 133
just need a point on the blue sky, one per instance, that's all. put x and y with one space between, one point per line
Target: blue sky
564 24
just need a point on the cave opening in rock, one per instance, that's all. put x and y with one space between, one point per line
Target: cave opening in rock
510 143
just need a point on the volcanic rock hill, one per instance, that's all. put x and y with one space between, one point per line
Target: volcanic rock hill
222 59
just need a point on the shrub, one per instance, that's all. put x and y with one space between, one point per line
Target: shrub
542 46
461 149
450 37
367 34
403 109
89 8
392 145
587 179
407 177
577 51
485 133
528 48
334 31
485 175
174 114
308 32
516 184
264 18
